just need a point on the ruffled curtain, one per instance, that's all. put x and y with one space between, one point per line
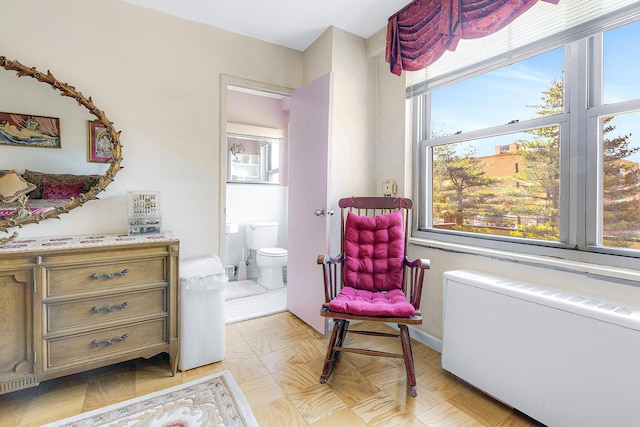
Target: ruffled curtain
421 32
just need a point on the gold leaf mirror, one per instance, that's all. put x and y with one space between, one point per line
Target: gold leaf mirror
22 215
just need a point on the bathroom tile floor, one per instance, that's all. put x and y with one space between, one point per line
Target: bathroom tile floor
270 302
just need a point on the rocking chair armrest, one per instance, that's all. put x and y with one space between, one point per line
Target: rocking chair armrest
326 259
421 263
415 279
330 273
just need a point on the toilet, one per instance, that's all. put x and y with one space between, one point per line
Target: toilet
263 237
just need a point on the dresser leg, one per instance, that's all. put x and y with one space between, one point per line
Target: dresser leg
174 354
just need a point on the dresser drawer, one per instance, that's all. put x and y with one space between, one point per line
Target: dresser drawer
100 310
104 343
64 280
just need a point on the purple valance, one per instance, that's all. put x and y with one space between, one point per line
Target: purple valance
420 33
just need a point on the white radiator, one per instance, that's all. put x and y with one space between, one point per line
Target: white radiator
562 358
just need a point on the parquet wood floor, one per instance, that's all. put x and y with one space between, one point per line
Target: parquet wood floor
277 361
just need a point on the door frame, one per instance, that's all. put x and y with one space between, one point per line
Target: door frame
227 80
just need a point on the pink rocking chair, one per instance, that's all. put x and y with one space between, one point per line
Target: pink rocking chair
372 279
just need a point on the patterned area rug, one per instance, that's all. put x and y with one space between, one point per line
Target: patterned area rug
215 400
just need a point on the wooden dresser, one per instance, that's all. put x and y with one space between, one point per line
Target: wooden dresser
70 304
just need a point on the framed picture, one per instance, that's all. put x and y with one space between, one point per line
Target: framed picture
27 130
100 143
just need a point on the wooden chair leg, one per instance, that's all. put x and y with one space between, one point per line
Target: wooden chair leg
336 340
344 325
408 359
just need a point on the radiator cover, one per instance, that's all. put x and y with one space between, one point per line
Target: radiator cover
562 358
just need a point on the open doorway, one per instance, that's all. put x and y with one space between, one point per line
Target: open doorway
254 174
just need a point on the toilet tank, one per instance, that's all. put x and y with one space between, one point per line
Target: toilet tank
262 235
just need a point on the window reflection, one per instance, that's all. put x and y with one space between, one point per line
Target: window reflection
253 159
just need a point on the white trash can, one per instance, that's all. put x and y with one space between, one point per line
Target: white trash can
201 311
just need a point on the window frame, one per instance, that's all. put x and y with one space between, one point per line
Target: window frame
580 209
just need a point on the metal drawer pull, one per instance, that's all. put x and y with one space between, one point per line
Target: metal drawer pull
111 275
122 306
112 341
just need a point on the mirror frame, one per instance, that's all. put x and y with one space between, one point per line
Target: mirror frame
70 91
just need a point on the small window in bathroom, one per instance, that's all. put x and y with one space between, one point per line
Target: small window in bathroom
253 154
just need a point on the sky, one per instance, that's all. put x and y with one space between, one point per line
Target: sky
500 96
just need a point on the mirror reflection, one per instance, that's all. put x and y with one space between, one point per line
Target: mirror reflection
253 154
49 157
29 100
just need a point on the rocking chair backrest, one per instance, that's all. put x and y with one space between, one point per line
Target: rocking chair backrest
374 235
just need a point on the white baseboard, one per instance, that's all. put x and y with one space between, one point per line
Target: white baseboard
426 339
422 337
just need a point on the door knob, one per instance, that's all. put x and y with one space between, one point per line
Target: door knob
320 212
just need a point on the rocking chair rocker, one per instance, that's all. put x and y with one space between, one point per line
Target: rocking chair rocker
372 279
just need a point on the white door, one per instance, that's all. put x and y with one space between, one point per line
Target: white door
309 172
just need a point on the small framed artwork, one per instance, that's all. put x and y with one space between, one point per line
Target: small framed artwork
100 143
27 130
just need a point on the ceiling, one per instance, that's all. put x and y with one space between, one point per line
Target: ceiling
291 23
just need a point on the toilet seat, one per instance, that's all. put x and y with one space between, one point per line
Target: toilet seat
272 252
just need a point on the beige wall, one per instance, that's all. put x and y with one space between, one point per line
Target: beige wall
354 154
317 57
157 78
393 151
353 160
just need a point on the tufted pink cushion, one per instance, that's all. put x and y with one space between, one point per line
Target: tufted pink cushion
366 303
374 252
61 190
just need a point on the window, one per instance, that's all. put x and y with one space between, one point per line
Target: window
521 153
496 97
615 111
477 184
271 156
488 194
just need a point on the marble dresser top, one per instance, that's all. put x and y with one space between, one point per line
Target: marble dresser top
82 241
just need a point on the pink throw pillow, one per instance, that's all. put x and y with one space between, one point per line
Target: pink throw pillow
374 252
60 190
